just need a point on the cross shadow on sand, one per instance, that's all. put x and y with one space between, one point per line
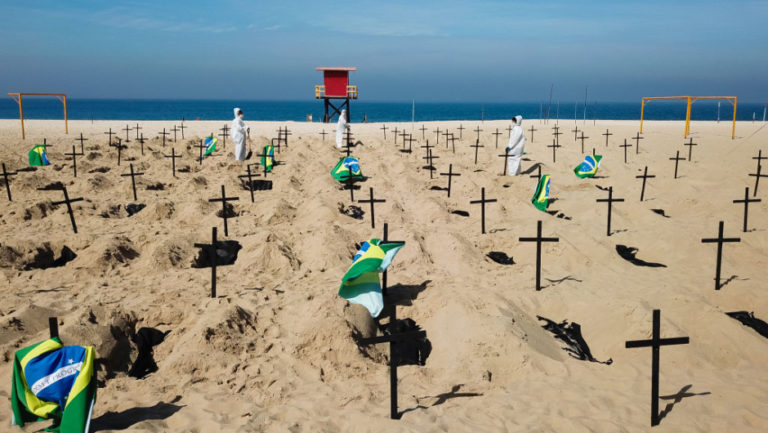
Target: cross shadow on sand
441 398
561 280
404 294
129 417
532 168
677 398
732 278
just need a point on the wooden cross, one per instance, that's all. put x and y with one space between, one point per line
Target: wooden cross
174 130
644 177
210 251
557 134
482 202
637 139
410 141
285 133
453 139
81 140
437 134
164 134
173 157
69 202
423 129
384 128
53 327
477 145
759 156
677 160
429 159
249 176
110 133
719 240
137 128
538 239
497 133
450 175
264 155
6 174
142 140
575 133
395 131
506 160
119 147
46 145
323 133
74 159
403 134
538 173
478 130
757 177
223 201
610 201
509 132
224 134
746 202
181 128
554 147
606 137
461 129
127 129
133 175
531 131
427 147
201 146
625 146
655 344
690 145
582 137
446 134
372 201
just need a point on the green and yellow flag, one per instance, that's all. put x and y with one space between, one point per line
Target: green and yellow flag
360 285
268 161
38 156
540 198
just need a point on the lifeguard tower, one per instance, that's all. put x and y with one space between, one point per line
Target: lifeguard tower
335 86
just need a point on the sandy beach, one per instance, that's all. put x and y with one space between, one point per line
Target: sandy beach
274 351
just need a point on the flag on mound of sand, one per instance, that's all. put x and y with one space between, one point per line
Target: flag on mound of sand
360 285
269 160
540 198
210 145
51 381
38 156
347 167
589 167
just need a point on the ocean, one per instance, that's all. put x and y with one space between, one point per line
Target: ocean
167 109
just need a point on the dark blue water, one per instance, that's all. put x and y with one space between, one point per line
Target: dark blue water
145 109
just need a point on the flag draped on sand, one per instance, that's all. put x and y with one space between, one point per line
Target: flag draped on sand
347 167
51 381
589 167
360 285
38 156
210 145
540 198
269 160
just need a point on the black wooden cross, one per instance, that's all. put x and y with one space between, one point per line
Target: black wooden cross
557 134
164 134
81 140
446 134
174 130
119 146
395 132
757 177
538 239
677 160
760 156
509 132
637 139
427 147
142 140
403 134
224 134
690 145
450 175
264 155
575 133
69 202
384 128
127 130
746 202
538 174
137 128
173 157
210 251
74 159
461 129
249 176
478 131
610 201
201 146
46 145
497 133
223 201
423 130
532 130
655 344
323 133
625 146
582 137
482 202
110 133
452 138
181 128
133 175
437 134
285 133
372 201
477 145
645 176
506 160
554 147
430 163
410 141
53 327
607 133
6 174
719 240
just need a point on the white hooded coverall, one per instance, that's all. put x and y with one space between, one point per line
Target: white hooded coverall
239 132
515 147
340 128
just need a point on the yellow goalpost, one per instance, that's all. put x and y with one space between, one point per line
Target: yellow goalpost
18 97
691 99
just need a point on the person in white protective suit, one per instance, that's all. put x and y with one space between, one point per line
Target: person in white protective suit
340 128
516 146
239 133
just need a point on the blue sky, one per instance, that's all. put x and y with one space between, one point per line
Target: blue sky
483 50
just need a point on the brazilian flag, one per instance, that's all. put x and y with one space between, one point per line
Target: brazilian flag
38 156
360 285
210 145
51 381
269 160
589 167
347 168
540 198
